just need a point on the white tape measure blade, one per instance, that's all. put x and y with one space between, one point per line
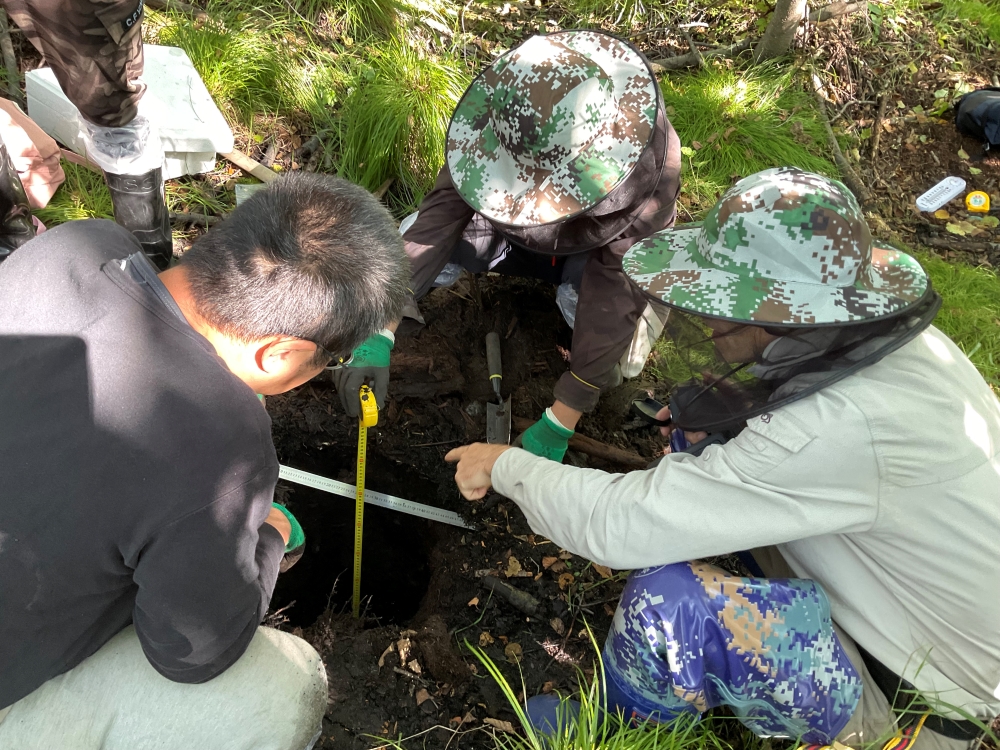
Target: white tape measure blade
380 499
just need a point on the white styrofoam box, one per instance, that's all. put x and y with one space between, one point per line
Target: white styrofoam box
191 127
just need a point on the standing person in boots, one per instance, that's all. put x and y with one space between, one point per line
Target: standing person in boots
95 50
560 157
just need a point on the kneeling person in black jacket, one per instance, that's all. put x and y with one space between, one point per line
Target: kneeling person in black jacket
138 543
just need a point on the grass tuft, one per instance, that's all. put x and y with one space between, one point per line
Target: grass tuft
83 196
733 123
395 116
594 727
247 70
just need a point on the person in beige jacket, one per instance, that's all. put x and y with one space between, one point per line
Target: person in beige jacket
864 475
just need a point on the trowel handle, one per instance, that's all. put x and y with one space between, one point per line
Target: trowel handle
493 359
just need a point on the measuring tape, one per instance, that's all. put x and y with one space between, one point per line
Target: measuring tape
367 417
382 500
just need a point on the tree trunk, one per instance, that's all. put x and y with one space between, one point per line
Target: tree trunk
780 32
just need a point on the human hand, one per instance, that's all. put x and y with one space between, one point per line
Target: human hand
547 439
475 466
370 363
691 437
295 541
280 522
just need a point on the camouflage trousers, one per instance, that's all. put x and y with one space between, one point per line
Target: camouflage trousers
94 48
688 637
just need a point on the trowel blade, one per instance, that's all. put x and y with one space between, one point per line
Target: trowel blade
498 423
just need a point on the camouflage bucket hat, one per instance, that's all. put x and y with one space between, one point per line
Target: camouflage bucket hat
781 247
552 127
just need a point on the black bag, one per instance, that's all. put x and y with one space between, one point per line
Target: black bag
977 115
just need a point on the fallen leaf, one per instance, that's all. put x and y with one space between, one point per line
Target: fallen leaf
990 222
962 154
711 138
602 570
565 555
558 625
955 229
565 580
941 214
422 696
513 652
414 666
557 567
975 170
485 639
473 601
609 610
729 132
548 562
513 567
503 726
695 145
548 686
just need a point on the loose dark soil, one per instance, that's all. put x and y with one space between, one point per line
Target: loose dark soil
423 581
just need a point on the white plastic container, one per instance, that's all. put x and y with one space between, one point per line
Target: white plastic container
191 127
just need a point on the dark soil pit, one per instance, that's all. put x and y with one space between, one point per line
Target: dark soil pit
406 667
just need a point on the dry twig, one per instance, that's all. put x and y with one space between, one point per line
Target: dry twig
851 178
692 59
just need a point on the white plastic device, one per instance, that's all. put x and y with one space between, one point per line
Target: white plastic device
191 126
948 189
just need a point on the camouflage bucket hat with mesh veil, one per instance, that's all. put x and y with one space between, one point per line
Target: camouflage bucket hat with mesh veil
552 127
781 247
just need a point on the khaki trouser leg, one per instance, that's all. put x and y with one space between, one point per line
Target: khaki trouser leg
272 698
873 722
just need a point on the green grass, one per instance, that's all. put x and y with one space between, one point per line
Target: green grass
733 123
83 196
983 15
394 118
970 313
245 64
595 728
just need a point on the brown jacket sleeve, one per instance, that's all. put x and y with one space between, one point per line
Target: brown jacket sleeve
430 241
610 305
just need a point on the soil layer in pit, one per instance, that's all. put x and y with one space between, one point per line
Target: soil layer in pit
408 672
395 570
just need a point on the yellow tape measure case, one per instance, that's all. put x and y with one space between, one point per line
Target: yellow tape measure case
369 409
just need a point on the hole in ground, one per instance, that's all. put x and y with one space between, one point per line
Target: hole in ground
394 562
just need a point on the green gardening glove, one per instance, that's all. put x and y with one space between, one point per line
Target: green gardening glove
370 363
296 541
547 438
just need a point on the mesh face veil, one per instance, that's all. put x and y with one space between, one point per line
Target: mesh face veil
727 372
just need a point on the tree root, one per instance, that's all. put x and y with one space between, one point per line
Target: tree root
696 59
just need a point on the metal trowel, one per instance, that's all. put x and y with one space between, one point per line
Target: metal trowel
498 414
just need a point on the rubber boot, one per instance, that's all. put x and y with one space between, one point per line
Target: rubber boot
139 207
16 226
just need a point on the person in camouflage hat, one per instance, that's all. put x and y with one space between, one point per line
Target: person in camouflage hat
559 157
854 469
95 50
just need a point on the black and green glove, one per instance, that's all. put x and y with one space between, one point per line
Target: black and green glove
296 544
547 438
369 364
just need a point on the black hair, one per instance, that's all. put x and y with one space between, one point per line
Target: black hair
311 256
